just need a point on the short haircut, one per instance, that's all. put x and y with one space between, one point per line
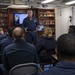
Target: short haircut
10 31
72 29
72 26
29 10
66 45
18 33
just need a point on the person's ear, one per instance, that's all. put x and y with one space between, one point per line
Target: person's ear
56 51
56 54
23 35
13 36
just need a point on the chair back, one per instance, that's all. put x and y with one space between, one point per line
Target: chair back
45 53
24 69
46 56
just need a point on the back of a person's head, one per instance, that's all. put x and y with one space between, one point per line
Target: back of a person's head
48 32
71 29
18 33
10 31
66 46
1 31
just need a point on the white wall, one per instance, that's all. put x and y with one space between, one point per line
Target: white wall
62 20
57 12
73 15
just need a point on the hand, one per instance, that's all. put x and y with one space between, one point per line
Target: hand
26 29
38 26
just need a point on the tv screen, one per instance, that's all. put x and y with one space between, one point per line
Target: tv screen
18 18
40 28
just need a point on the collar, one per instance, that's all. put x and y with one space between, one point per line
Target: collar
32 18
19 41
10 37
68 65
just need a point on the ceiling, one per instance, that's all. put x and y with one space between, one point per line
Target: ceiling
33 2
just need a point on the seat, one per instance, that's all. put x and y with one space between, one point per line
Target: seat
45 57
24 69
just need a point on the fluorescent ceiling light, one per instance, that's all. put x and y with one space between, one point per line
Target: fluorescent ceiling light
47 1
18 6
69 3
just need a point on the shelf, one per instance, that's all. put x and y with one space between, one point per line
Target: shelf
49 24
3 17
3 26
46 16
3 22
4 10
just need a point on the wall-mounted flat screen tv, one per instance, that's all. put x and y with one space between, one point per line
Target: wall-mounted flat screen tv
19 17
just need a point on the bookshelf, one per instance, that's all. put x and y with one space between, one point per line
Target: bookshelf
4 19
46 17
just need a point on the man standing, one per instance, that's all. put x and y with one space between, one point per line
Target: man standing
30 24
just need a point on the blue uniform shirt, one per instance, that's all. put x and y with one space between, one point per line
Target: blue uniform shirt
46 43
27 50
61 68
30 24
2 36
5 42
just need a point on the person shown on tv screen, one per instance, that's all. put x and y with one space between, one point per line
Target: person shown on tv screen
17 20
30 24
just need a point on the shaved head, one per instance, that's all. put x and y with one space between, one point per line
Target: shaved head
66 46
18 33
